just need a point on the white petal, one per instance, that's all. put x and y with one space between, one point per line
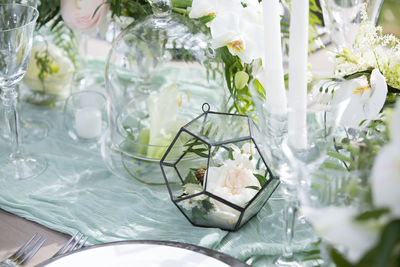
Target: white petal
378 97
201 8
336 225
385 178
353 114
254 44
223 24
395 125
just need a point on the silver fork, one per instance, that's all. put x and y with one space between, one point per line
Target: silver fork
25 253
80 240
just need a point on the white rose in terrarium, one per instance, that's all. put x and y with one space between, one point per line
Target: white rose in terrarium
233 181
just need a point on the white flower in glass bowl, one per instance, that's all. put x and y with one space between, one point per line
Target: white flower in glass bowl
366 100
57 76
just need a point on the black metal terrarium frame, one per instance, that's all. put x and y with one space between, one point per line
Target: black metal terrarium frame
173 164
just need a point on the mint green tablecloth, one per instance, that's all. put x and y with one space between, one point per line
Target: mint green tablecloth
77 192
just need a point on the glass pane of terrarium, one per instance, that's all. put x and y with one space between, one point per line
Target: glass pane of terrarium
215 128
184 148
189 157
260 200
173 180
206 211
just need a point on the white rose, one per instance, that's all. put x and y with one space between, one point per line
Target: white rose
230 182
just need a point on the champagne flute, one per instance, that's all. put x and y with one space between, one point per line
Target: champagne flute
17 23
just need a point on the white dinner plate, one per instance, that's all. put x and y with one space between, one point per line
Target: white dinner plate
143 253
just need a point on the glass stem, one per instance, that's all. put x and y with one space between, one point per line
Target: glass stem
290 217
9 97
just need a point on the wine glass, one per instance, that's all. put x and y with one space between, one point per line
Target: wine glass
305 161
343 17
17 23
32 129
274 128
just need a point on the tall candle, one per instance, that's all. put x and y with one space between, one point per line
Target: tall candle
273 70
298 52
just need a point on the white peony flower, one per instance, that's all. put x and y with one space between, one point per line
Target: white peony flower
366 100
337 226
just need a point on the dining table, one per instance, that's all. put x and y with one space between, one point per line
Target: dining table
78 193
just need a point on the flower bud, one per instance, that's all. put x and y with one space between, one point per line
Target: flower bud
241 79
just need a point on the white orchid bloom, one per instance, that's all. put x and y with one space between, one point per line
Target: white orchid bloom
320 97
366 100
240 36
253 11
385 175
337 226
201 8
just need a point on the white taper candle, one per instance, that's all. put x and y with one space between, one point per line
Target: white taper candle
298 52
273 69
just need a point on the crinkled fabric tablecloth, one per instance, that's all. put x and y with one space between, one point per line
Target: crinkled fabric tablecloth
77 192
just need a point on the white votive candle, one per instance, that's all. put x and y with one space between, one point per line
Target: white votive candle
273 69
298 52
88 122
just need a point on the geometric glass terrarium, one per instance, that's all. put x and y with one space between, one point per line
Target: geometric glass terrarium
157 70
215 171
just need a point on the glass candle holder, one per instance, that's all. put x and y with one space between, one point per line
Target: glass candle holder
85 116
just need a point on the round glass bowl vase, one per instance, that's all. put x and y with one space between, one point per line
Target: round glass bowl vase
158 74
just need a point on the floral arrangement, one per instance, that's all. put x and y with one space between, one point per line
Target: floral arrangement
235 28
366 233
368 73
234 180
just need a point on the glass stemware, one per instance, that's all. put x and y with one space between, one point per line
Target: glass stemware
17 23
32 128
342 18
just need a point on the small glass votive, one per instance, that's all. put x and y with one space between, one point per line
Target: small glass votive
85 116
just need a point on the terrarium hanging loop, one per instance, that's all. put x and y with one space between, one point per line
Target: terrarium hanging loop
205 107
